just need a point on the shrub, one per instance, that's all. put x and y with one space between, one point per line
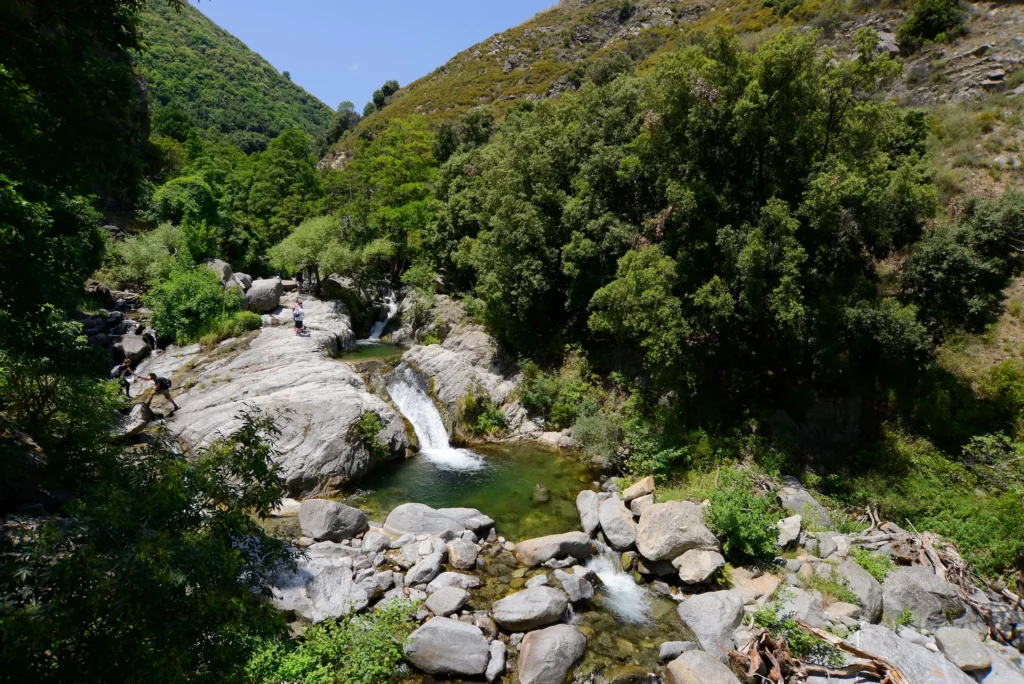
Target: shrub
743 520
189 303
479 414
931 20
139 259
355 649
560 397
367 432
233 325
877 565
833 587
185 197
600 435
801 643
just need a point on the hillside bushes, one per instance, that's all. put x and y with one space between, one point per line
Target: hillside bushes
190 302
931 20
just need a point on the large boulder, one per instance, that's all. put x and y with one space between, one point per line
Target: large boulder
264 296
222 269
318 403
546 655
134 347
963 648
453 579
462 554
795 498
22 468
533 552
587 504
698 667
417 518
447 600
803 605
529 609
917 663
323 520
865 587
697 566
713 618
932 601
448 647
617 523
321 586
136 421
670 529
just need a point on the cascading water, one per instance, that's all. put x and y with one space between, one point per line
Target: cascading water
405 388
629 601
378 328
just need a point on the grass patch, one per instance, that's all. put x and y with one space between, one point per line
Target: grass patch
877 565
832 587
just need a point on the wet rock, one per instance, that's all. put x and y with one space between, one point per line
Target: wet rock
529 609
462 554
447 600
587 505
789 530
697 566
426 570
795 498
670 650
533 552
324 520
668 530
496 664
444 646
713 618
547 654
537 581
416 518
963 648
642 488
931 600
865 587
917 663
576 587
617 523
541 494
264 296
803 605
453 579
698 667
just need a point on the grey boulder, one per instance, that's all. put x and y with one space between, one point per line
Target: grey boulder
426 570
447 600
417 518
453 579
642 488
932 601
963 648
713 618
697 566
803 605
324 520
917 663
132 347
462 554
444 646
587 505
670 650
533 552
263 296
865 587
668 530
789 530
795 498
617 523
576 587
546 655
698 667
529 609
496 665
640 504
321 586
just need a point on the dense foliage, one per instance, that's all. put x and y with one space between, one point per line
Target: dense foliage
931 20
201 76
189 302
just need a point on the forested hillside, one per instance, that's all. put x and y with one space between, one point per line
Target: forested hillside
195 68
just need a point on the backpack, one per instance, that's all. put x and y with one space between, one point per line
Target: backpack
163 383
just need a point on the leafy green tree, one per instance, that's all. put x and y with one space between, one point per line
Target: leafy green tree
308 246
173 122
189 302
344 119
187 197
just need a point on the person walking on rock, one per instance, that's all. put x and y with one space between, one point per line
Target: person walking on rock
161 386
298 315
122 372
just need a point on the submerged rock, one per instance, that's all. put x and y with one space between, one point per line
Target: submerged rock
546 655
529 609
444 646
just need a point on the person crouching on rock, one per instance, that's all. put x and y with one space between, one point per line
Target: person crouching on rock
122 372
298 315
161 386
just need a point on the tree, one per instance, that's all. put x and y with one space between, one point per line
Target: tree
345 119
308 246
931 20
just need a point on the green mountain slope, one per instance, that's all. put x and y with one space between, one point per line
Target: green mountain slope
223 86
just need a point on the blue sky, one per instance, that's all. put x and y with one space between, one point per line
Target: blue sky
345 49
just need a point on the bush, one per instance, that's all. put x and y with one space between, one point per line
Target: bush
233 325
931 20
355 649
877 565
367 432
743 520
479 414
139 259
803 644
190 302
560 397
601 436
187 197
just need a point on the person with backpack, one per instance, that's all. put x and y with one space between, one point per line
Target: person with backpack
122 372
161 386
298 315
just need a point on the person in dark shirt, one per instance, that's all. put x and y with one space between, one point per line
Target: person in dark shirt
161 386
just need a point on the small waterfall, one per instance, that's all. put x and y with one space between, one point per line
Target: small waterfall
412 400
378 328
629 601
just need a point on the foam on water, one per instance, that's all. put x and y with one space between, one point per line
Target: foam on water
623 597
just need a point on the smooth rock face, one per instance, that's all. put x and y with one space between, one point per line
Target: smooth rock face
587 505
330 520
670 650
444 646
789 530
576 586
963 648
713 618
417 518
319 400
668 530
865 587
697 566
919 664
322 585
447 600
617 524
529 609
462 554
546 655
641 488
264 296
795 498
931 600
698 667
533 552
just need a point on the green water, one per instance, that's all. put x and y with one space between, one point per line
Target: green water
377 350
503 488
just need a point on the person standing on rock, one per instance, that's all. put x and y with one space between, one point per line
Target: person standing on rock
161 386
298 282
122 372
298 315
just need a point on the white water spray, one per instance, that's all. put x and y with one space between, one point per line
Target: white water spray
629 601
416 405
378 328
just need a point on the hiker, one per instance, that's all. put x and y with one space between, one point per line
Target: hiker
298 282
161 386
298 315
122 372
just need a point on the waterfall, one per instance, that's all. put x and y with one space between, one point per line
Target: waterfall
379 326
629 601
406 389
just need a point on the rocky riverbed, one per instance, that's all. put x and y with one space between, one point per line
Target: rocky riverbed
640 594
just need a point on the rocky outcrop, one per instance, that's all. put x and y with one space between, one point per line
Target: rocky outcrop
546 655
444 646
323 585
932 601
